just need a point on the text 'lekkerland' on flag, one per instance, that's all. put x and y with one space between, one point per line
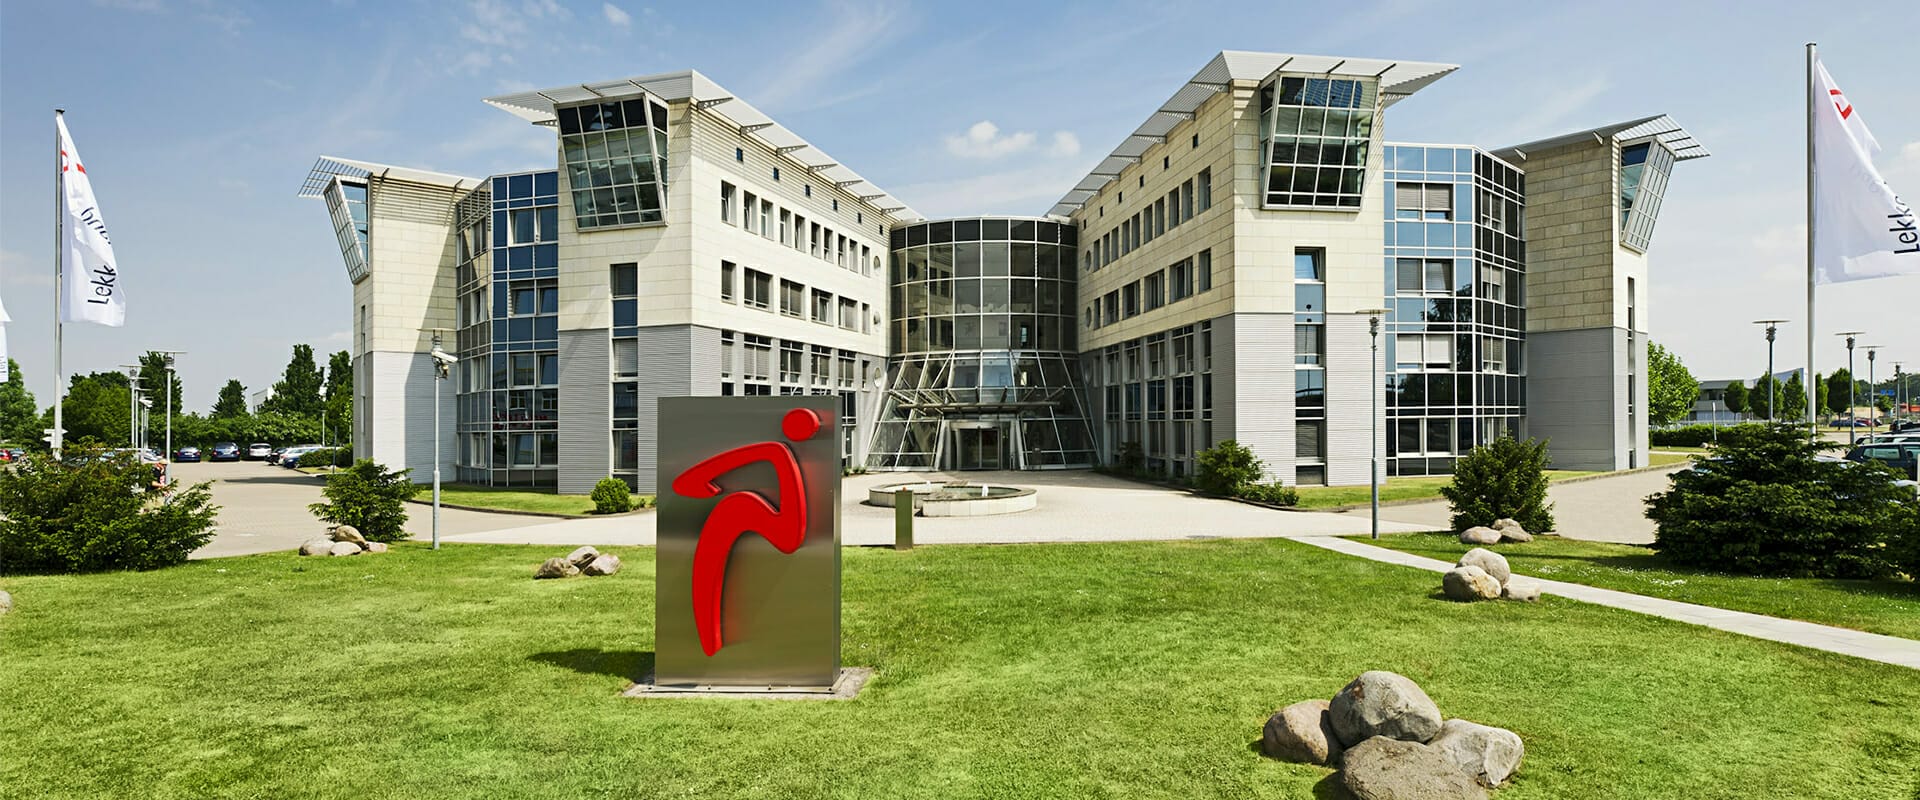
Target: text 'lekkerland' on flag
90 278
1861 228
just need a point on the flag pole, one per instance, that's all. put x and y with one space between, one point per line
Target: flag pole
1813 426
59 275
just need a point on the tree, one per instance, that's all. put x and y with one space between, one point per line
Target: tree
1735 397
339 401
1671 389
19 415
370 498
1760 399
96 512
298 390
1793 399
232 402
153 373
95 409
1503 478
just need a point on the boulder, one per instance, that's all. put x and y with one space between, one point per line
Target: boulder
344 549
318 546
1480 535
1507 525
1515 535
1389 769
1469 583
6 602
1487 754
347 533
1380 703
1494 563
375 547
1302 733
583 556
602 565
1522 589
556 568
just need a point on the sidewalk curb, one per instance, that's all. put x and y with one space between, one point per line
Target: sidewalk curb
511 513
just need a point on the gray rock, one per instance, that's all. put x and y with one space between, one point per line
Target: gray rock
1388 769
6 602
1509 525
318 546
1487 754
1480 535
347 533
1494 563
1302 733
1469 583
1522 589
602 565
1380 703
344 549
583 556
1515 535
375 547
556 568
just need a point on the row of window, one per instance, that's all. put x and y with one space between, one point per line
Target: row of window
1180 280
750 358
754 289
755 215
1194 196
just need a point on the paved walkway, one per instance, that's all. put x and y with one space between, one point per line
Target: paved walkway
1603 509
1872 646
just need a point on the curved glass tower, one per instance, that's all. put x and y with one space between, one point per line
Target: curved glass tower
982 330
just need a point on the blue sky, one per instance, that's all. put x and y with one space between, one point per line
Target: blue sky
198 119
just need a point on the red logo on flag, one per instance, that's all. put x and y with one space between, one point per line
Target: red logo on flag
1840 102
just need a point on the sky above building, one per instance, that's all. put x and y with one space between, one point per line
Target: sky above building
197 120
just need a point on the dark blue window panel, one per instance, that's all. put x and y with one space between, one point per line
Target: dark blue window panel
626 312
520 258
499 229
520 186
520 202
499 306
520 330
550 224
624 332
546 255
500 188
546 183
546 328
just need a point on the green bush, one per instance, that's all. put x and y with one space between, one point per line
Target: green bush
1278 494
1504 478
612 496
1763 503
1226 468
319 458
1130 458
95 513
370 498
1691 435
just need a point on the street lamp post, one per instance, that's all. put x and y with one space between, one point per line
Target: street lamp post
133 402
442 366
166 385
1373 445
1850 383
1873 393
1773 409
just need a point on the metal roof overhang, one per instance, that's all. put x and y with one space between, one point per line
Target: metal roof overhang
1660 126
330 167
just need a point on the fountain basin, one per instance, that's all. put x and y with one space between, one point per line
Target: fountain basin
958 498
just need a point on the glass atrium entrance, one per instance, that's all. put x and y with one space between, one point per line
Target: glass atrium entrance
978 446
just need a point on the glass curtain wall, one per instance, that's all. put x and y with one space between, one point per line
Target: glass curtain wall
615 153
983 338
1156 397
508 316
1454 344
1644 168
1314 136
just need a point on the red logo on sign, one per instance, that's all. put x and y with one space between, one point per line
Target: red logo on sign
785 526
1840 102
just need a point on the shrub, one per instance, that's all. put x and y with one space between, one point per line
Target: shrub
612 496
96 513
1276 493
369 497
1225 468
1503 478
1763 503
1130 458
1690 435
318 458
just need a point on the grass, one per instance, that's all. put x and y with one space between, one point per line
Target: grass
533 500
1424 487
1088 670
1887 606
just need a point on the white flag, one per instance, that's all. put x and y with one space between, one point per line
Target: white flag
4 319
1861 229
91 277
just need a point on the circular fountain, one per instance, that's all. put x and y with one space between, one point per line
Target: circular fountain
957 498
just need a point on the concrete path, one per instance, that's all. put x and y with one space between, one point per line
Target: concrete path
1871 646
1075 506
1602 509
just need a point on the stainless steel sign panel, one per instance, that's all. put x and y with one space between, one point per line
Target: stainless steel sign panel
747 578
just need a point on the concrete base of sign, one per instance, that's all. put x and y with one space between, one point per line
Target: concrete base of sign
851 680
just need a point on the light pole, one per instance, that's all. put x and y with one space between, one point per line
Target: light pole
1873 393
1850 383
1373 445
166 385
442 366
133 400
146 403
1773 410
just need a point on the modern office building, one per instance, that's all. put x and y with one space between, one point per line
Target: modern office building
683 243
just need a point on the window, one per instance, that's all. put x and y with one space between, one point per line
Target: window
1130 299
849 314
726 281
866 318
1417 351
1309 345
792 298
626 357
1429 201
766 211
786 224
822 307
615 154
1112 305
1493 354
807 190
1154 289
1203 269
1203 189
1431 276
791 356
740 155
776 173
758 289
624 279
1309 265
523 225
1315 133
726 203
1180 280
759 363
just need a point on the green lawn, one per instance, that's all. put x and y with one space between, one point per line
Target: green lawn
1424 487
1889 607
543 502
1092 670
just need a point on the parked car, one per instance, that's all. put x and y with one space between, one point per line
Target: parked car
273 456
16 453
290 457
1904 426
224 451
1903 457
188 453
258 451
1854 422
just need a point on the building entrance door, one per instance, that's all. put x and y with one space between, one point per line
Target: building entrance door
977 448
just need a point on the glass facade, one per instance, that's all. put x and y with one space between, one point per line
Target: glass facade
1156 394
508 306
615 156
1454 341
1644 168
982 340
1314 136
347 205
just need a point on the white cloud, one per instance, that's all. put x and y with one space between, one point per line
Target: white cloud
1545 110
615 15
1065 145
983 140
1025 190
851 35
